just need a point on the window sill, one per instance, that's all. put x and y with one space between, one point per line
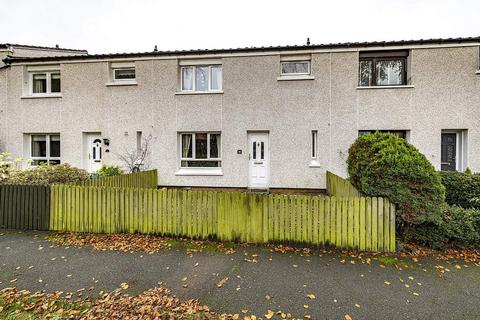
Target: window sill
121 83
294 78
477 72
314 164
40 96
197 92
199 172
406 86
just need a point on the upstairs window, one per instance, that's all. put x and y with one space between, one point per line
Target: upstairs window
122 74
295 68
385 68
201 78
45 82
200 150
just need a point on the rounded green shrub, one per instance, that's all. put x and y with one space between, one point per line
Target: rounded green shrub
109 170
384 165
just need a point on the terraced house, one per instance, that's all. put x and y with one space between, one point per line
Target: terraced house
261 118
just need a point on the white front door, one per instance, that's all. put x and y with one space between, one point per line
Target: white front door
94 151
259 160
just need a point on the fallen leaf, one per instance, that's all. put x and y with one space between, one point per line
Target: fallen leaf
347 317
386 282
269 314
222 282
357 305
311 296
124 285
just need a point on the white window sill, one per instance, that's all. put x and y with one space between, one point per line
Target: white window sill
121 83
407 86
199 172
477 72
314 164
294 78
40 96
197 92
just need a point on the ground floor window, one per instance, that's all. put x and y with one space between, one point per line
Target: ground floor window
45 148
399 133
200 150
454 147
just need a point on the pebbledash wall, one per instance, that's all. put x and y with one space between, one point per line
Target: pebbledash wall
443 93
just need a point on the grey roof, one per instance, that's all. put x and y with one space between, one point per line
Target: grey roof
8 45
248 49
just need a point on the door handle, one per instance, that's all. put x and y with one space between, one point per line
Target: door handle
258 162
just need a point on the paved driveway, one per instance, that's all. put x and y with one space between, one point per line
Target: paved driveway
277 281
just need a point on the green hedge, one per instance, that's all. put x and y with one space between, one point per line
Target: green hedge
387 166
45 175
458 227
462 189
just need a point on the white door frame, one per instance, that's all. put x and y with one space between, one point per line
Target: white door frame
256 164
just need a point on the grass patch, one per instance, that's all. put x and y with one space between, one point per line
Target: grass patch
394 261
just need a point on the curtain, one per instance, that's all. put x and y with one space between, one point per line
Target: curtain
186 145
39 83
187 78
216 78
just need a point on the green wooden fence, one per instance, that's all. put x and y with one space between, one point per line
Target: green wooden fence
339 187
143 179
345 222
24 207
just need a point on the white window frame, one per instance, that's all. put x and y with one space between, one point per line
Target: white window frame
314 163
114 79
314 145
193 158
48 158
194 67
48 75
308 62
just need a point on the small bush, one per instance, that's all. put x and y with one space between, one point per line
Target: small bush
462 189
45 175
387 166
108 170
458 227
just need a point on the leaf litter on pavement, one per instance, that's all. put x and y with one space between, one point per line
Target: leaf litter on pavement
156 303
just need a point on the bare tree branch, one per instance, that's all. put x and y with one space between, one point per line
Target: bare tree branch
133 159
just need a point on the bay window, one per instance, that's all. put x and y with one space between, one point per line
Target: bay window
200 150
201 78
45 148
386 68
